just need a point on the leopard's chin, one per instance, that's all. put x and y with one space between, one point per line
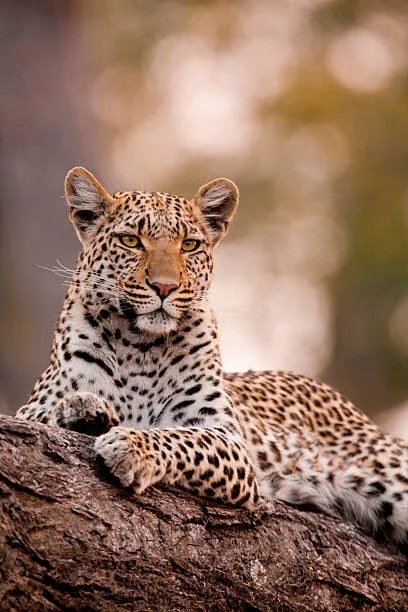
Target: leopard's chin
157 323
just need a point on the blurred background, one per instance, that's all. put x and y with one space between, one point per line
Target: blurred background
304 103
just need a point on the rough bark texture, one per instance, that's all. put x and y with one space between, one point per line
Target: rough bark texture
72 539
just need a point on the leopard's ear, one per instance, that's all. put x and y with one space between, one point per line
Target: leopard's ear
217 201
89 202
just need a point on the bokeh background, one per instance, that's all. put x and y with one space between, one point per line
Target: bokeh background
304 103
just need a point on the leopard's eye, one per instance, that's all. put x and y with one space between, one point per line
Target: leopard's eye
190 244
130 241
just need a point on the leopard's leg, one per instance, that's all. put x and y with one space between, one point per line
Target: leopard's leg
83 412
34 412
207 462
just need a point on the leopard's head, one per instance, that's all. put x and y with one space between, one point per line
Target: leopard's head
147 255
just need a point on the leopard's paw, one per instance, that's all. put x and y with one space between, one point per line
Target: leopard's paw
124 452
84 412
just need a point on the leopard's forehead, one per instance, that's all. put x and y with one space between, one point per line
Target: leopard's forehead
156 213
152 200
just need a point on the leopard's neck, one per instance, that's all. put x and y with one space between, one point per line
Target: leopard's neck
115 337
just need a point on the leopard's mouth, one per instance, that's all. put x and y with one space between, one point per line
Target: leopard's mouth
156 322
129 312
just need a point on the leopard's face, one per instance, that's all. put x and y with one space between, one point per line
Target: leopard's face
152 259
147 256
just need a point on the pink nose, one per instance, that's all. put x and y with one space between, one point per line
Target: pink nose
163 289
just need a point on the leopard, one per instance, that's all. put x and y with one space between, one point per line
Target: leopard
135 362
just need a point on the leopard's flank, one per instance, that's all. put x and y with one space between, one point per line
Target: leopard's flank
135 361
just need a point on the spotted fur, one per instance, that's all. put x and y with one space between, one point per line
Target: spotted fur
135 358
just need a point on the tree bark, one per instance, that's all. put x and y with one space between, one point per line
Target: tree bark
73 539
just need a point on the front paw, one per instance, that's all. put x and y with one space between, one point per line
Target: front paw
125 453
85 413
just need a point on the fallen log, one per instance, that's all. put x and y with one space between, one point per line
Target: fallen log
71 538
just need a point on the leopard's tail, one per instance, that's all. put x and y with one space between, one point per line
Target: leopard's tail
375 496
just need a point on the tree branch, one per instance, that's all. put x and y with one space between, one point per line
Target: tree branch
72 538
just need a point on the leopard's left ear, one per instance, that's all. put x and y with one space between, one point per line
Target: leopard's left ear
217 201
89 202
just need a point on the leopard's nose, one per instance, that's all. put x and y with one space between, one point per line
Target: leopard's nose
163 289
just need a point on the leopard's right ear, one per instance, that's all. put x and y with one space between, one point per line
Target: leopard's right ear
89 202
